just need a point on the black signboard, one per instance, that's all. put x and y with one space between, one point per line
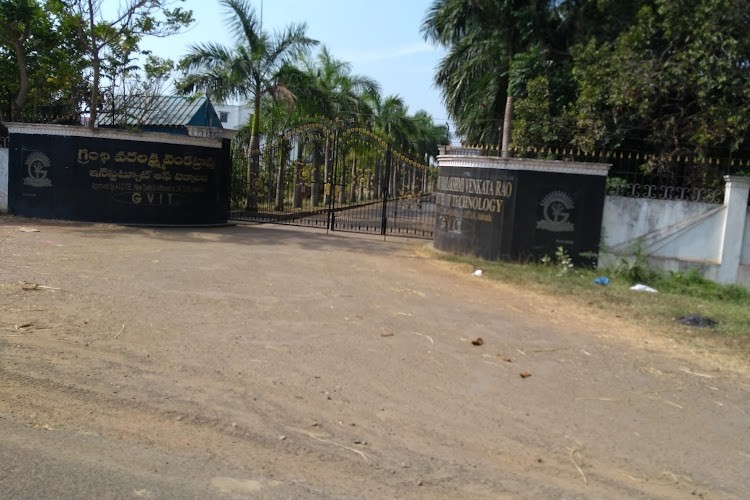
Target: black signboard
505 213
118 180
559 210
475 211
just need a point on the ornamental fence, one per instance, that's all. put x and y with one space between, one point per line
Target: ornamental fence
641 175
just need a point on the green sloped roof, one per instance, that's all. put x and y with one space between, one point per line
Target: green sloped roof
164 111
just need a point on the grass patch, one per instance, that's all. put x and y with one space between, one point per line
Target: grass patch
679 294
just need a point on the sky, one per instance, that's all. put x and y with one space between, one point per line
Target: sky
381 39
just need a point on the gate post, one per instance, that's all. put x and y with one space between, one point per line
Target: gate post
735 203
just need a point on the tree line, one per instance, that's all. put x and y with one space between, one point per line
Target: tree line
658 76
65 58
664 77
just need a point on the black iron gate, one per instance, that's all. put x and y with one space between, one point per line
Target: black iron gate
334 178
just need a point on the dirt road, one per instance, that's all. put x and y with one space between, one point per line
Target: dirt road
266 362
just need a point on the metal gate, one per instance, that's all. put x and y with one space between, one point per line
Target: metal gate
334 178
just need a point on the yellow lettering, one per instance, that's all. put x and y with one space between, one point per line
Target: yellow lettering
153 161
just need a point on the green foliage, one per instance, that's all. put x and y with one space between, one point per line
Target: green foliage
562 261
617 186
111 44
535 119
692 284
675 80
40 61
635 268
650 75
493 48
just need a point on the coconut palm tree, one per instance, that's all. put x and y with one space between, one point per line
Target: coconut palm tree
491 47
339 91
340 97
332 94
390 118
425 143
249 70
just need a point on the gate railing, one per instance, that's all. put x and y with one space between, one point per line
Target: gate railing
339 179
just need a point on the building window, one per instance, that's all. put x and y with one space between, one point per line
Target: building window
223 116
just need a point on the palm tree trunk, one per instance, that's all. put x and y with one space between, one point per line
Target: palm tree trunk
280 178
315 176
398 176
327 169
297 197
342 191
253 166
378 178
365 192
507 126
352 182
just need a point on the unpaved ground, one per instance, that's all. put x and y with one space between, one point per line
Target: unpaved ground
266 362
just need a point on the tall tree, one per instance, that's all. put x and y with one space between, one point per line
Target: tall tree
497 48
16 19
428 136
339 97
477 76
114 40
247 70
340 93
390 118
40 60
676 81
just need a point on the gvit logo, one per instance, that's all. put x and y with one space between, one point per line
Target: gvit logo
556 207
37 166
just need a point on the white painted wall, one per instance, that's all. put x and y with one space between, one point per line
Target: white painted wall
663 228
745 257
3 179
682 235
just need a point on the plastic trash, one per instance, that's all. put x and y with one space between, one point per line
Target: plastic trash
601 280
643 288
478 272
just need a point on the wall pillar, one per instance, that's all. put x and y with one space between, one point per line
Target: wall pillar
735 202
3 179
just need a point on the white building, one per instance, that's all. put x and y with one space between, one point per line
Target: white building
233 116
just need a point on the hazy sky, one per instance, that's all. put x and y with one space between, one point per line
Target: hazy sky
381 39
